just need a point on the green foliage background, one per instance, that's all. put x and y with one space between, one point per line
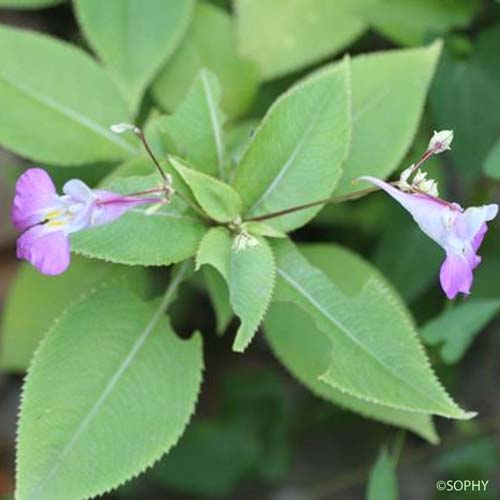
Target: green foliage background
350 351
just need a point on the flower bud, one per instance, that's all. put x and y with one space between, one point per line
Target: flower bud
120 128
440 141
244 240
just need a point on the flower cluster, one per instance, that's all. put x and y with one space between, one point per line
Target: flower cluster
459 232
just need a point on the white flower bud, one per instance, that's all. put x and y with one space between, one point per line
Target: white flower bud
120 128
440 141
404 185
244 240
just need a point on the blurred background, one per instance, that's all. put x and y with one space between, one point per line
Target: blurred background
257 433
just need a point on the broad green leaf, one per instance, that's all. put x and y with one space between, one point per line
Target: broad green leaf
219 297
492 163
249 274
219 200
209 43
388 95
459 82
29 4
57 103
413 22
282 37
238 135
457 328
134 38
307 356
375 352
195 129
169 235
296 155
306 352
382 483
36 301
110 390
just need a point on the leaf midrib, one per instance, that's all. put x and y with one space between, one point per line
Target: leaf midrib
339 325
291 159
216 129
70 113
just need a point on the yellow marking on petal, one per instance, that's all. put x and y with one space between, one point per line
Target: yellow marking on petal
54 214
56 223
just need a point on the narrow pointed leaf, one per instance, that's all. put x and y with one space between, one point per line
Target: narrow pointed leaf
219 297
110 390
195 129
134 38
382 482
296 154
388 96
375 352
166 236
249 274
219 200
57 103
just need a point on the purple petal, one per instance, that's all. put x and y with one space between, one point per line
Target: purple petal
48 251
429 213
479 237
456 275
35 191
110 206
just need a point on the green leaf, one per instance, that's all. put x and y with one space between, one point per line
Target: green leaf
282 37
219 200
209 43
388 95
456 328
169 235
238 135
307 357
460 81
382 482
28 4
492 163
195 129
219 297
110 390
375 352
413 22
249 274
296 154
43 299
134 38
57 103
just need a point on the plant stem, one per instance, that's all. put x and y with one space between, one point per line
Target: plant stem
166 179
334 199
139 133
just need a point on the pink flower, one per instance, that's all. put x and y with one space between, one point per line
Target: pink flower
46 219
460 233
